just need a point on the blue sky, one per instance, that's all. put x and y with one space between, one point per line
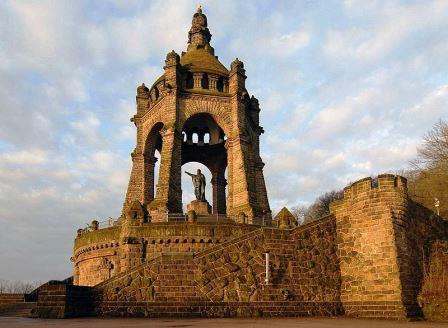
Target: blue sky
346 88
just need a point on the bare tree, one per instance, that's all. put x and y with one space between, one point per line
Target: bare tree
321 206
428 179
18 286
299 213
434 151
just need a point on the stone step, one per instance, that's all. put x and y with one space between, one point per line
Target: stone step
11 298
20 309
162 298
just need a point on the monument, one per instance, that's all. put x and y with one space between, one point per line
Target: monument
200 205
367 258
197 96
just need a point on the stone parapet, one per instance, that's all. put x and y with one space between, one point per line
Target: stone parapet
64 301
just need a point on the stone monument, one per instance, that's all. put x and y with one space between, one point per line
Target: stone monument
367 258
199 205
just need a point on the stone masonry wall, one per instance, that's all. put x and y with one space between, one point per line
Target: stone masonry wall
315 270
371 285
100 255
11 298
228 279
64 301
382 239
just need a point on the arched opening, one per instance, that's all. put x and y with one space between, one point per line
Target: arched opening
206 138
189 82
188 194
220 84
153 147
205 150
195 138
204 81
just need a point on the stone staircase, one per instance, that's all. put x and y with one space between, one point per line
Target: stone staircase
17 309
176 281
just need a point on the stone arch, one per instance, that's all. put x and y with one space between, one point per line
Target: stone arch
213 154
215 108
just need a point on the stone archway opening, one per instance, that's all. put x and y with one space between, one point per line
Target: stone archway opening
187 185
203 142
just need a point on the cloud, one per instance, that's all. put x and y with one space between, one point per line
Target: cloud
25 157
346 91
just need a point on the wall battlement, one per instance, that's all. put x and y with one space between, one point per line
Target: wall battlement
384 183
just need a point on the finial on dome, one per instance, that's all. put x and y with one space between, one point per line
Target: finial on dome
199 35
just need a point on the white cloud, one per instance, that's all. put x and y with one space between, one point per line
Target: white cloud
342 97
394 26
25 157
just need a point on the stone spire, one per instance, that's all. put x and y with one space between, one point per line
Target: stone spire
199 35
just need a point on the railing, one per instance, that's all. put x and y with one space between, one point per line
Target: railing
107 223
176 217
179 217
95 225
216 218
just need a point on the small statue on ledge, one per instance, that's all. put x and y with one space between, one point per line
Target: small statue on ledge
199 185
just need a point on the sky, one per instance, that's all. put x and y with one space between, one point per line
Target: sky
347 89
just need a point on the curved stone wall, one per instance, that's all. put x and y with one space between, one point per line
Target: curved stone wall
101 254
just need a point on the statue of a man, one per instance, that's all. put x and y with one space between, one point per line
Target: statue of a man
199 185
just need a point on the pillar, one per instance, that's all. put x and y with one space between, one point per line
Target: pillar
197 80
135 186
226 85
169 192
150 162
212 81
219 193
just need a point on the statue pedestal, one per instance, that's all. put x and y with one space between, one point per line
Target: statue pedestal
200 207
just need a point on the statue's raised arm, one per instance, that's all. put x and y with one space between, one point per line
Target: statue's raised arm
190 174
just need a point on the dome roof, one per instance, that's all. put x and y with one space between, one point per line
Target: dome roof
201 60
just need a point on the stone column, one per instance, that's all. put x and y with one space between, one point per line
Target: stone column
201 138
261 193
212 80
150 162
189 138
241 198
135 186
226 85
197 80
219 193
169 192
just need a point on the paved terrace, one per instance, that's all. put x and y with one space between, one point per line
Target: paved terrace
9 322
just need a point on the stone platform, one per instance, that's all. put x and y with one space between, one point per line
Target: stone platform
200 207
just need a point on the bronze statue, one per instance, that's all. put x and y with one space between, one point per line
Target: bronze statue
199 185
